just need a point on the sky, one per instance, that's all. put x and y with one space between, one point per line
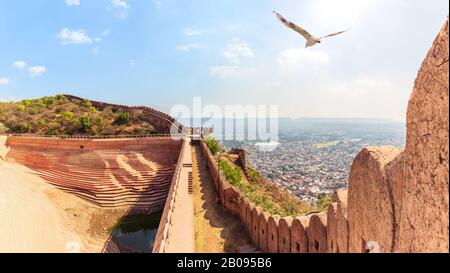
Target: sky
162 53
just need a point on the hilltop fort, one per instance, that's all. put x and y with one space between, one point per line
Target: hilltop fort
64 168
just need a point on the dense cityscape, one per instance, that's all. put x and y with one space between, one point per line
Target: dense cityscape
315 156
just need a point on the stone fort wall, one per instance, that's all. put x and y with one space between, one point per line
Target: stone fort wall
397 201
162 121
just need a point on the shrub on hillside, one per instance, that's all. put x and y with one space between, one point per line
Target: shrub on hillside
3 128
26 102
86 103
60 97
123 118
212 145
253 175
51 132
47 101
67 115
86 123
232 174
41 123
23 128
323 201
59 115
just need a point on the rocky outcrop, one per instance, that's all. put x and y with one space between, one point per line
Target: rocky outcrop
423 223
400 200
370 208
342 230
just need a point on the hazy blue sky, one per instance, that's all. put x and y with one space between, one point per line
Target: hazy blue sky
164 52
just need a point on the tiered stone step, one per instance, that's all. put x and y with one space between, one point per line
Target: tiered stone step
107 178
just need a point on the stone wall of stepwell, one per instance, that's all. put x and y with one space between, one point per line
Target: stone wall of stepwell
397 201
106 172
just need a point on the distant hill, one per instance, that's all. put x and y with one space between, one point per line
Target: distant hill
70 115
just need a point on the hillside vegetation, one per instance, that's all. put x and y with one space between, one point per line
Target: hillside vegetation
59 115
261 192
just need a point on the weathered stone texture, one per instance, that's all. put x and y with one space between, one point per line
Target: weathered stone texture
340 196
284 235
342 232
243 211
332 228
395 176
232 196
255 225
317 233
299 238
263 231
423 223
272 240
370 208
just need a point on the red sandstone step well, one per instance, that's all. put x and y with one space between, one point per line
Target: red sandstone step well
106 177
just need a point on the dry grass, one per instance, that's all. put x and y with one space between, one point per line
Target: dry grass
60 116
268 195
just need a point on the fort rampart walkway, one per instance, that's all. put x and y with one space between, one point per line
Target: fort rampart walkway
176 229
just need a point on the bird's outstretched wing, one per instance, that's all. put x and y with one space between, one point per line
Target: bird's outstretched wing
334 34
293 26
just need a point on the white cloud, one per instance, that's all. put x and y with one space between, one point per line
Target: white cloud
192 32
20 64
302 55
106 32
119 8
120 4
159 3
79 36
73 2
224 71
189 47
4 81
237 49
36 71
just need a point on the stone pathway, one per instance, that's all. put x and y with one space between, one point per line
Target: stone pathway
216 231
181 232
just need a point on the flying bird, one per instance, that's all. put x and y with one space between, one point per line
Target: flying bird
310 40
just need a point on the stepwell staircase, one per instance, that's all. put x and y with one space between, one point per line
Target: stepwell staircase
109 178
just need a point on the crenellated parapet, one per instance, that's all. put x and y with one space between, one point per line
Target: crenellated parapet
161 121
397 201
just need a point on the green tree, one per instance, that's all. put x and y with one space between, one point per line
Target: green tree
26 102
47 101
41 123
67 115
86 123
232 174
323 201
253 175
60 97
213 145
123 118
